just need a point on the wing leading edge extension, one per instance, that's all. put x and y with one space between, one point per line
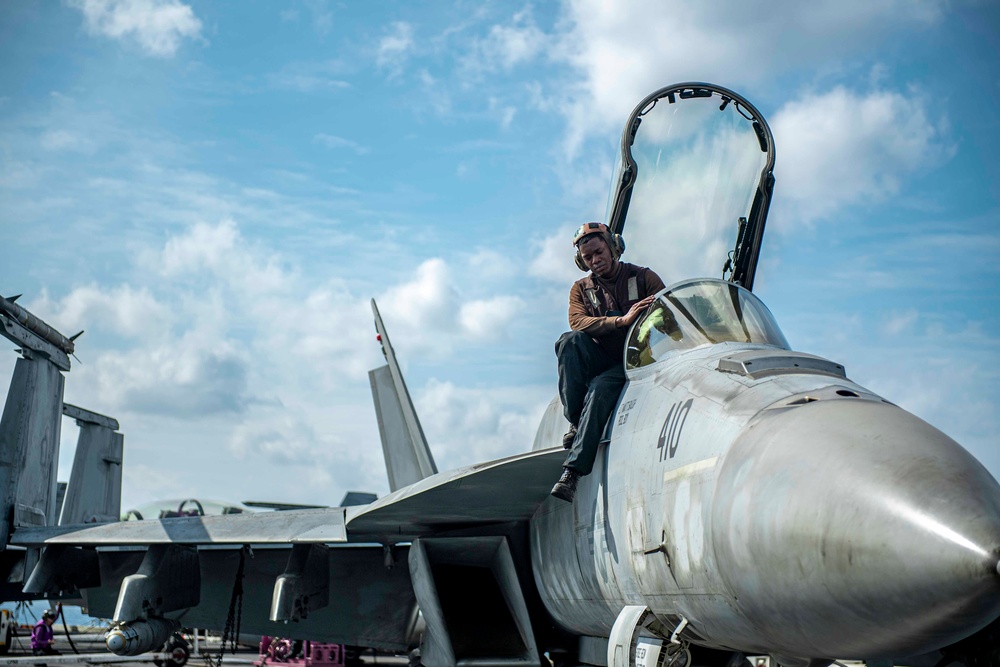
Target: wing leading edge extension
501 491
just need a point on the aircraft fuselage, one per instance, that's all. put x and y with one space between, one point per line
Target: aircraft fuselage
789 511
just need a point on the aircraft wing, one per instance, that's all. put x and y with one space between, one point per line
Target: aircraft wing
342 581
500 491
317 526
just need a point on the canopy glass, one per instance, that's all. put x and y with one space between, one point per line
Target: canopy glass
701 312
693 183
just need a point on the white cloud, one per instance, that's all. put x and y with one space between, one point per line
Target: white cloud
467 170
153 484
158 26
203 246
192 376
65 140
331 141
222 342
322 16
513 44
625 51
311 77
437 93
434 311
507 117
488 264
428 301
842 147
504 112
324 334
15 175
899 323
488 318
307 83
554 259
223 252
470 425
278 436
395 47
123 310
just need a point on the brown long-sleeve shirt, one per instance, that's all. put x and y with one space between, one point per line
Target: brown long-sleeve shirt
594 303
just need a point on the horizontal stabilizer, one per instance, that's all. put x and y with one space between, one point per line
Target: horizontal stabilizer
350 498
407 457
280 507
318 526
355 498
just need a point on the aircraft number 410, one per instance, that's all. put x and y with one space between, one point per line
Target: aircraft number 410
670 434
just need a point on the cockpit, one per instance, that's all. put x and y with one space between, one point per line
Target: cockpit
701 312
171 509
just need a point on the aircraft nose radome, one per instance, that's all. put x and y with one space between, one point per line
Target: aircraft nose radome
851 528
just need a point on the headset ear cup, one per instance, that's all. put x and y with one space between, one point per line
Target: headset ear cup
619 244
579 262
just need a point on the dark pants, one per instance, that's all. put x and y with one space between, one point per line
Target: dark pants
45 650
590 384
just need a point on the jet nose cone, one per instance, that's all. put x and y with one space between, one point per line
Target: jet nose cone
857 530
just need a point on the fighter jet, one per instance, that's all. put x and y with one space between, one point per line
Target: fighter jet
748 499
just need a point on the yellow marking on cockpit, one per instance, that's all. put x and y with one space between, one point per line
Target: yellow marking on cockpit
690 469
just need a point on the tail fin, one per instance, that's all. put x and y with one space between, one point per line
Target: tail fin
94 492
31 422
407 457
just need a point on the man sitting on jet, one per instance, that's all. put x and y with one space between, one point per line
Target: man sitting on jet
591 374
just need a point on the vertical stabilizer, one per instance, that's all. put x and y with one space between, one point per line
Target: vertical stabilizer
407 457
32 418
94 492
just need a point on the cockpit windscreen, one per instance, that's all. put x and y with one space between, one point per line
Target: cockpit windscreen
701 312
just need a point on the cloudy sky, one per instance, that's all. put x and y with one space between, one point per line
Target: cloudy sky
215 191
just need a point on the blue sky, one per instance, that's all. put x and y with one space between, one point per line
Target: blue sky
214 191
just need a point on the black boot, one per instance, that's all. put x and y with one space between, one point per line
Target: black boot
565 488
569 437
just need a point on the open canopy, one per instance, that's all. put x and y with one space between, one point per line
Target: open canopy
693 183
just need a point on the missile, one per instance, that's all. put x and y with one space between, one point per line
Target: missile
36 325
141 636
858 531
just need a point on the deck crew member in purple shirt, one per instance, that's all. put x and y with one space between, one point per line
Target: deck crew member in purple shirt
42 635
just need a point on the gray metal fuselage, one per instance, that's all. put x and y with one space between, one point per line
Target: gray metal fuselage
790 512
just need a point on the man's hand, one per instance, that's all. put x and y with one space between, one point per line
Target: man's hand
637 309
